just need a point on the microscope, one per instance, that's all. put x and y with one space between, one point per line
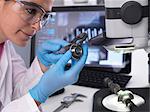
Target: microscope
127 24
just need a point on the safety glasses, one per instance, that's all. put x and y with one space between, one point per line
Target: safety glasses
31 12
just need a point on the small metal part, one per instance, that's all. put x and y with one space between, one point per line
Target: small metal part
112 86
124 96
78 95
68 100
61 107
63 50
74 46
102 40
80 38
77 51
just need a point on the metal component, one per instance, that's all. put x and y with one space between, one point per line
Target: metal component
76 50
79 100
112 86
63 50
80 38
124 96
74 46
104 41
78 95
61 107
68 100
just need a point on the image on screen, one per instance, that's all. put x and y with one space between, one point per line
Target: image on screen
67 25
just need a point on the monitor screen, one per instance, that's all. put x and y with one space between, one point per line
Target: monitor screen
68 22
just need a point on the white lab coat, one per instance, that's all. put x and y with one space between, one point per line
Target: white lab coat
16 80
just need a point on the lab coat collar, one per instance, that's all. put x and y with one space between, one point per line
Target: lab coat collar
3 72
3 65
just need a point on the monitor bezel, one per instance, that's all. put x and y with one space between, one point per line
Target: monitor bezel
149 17
126 57
78 8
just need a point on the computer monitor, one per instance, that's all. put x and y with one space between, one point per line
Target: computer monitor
68 22
149 34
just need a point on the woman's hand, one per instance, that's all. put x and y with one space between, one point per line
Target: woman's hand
46 53
58 77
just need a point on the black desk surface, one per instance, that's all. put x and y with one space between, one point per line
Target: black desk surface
99 95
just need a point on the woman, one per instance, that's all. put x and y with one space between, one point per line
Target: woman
22 89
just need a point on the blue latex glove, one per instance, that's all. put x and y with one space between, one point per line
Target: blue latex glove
57 77
45 52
